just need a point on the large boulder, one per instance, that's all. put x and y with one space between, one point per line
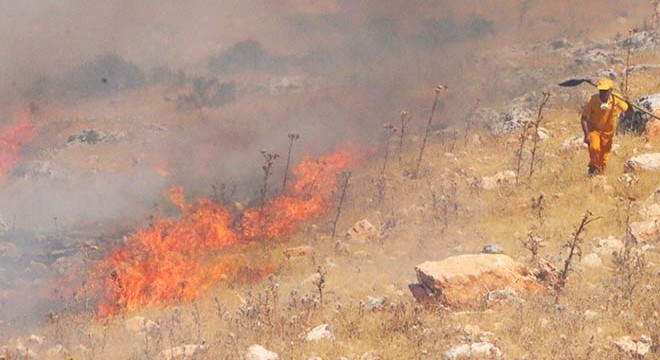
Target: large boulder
466 280
643 162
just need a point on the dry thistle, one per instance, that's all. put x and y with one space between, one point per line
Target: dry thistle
574 246
404 120
292 137
537 124
390 131
269 158
346 175
437 91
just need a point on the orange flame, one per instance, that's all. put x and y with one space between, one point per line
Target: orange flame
12 139
177 260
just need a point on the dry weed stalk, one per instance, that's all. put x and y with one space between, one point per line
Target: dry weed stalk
404 120
320 282
292 138
269 158
469 118
626 74
346 175
537 124
391 130
533 243
522 138
437 90
574 246
538 207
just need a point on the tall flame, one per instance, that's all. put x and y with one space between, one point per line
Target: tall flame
12 139
179 259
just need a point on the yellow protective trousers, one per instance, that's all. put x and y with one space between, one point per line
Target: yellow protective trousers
600 145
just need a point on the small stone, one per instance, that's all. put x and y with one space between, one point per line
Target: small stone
592 261
590 315
184 352
370 355
608 246
321 332
363 230
645 231
477 350
374 303
492 249
258 352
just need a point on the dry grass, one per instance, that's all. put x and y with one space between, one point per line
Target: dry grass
278 313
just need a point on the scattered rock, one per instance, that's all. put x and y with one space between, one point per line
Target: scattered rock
639 348
477 350
572 144
362 231
592 261
370 355
502 178
26 353
155 127
597 56
651 207
628 179
652 131
643 162
492 249
141 326
608 246
321 332
514 117
36 339
505 295
184 352
258 352
56 351
466 280
93 136
645 231
543 133
374 303
590 315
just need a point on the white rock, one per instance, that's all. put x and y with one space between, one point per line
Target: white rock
502 178
184 352
56 351
590 315
543 133
477 350
643 162
572 144
608 246
592 261
645 231
258 352
321 332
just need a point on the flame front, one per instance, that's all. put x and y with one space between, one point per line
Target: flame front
12 139
179 259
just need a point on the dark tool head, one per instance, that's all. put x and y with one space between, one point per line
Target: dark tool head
575 82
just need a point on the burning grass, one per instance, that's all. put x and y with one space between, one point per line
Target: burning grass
179 259
12 140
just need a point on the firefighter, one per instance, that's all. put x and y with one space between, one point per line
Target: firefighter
599 120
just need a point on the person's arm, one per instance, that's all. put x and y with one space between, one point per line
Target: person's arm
585 129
